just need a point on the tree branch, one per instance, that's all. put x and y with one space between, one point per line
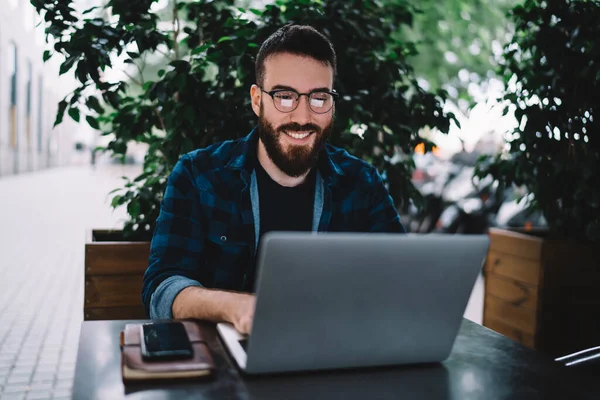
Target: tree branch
160 119
175 37
175 30
163 53
133 79
141 69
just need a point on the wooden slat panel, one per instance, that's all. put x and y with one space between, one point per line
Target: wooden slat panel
508 331
515 292
510 266
113 291
520 318
109 258
571 264
517 244
112 313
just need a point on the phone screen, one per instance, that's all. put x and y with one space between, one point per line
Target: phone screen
165 340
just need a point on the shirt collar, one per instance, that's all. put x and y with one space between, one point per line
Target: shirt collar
243 156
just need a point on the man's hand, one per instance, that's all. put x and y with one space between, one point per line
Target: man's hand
242 312
217 306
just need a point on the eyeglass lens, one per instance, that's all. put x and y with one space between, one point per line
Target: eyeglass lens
319 102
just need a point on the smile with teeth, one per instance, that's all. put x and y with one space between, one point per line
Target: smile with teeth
298 136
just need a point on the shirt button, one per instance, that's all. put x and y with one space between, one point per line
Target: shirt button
223 238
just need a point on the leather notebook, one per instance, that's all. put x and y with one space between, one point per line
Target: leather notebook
135 368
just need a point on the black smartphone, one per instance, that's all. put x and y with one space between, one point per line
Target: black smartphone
165 341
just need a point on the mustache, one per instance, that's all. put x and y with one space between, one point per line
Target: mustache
296 127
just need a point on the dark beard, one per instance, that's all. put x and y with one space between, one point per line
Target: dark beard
299 159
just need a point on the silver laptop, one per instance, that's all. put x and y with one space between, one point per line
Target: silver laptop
345 300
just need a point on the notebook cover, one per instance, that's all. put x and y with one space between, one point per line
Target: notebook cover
135 368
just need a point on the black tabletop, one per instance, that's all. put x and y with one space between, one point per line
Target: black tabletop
483 365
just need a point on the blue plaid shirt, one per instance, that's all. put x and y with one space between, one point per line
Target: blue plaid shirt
207 230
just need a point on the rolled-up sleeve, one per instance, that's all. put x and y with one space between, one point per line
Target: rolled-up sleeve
177 247
161 302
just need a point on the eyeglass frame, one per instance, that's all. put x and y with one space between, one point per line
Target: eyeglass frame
332 93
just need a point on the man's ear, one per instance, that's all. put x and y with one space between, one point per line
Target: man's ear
255 94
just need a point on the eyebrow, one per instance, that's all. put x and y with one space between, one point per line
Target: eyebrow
284 87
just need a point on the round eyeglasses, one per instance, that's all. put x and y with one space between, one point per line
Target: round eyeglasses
287 100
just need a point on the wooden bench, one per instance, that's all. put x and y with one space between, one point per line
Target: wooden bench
113 276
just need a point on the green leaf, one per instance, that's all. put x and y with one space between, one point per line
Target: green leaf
143 176
225 39
93 122
74 113
257 12
68 64
180 66
116 201
93 103
161 73
147 85
62 106
133 209
89 10
47 55
201 49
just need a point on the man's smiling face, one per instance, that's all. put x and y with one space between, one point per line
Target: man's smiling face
293 139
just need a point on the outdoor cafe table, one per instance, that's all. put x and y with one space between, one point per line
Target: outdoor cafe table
482 365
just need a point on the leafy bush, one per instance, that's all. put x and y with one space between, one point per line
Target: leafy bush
553 73
202 95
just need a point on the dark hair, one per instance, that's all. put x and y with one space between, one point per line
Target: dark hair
301 40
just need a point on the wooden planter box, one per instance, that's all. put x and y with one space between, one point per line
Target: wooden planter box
114 270
542 293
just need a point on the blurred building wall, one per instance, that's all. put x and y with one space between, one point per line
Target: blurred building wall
29 94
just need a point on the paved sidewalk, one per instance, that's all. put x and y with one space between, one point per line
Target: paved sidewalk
43 220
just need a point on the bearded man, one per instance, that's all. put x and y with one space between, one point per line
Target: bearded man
283 176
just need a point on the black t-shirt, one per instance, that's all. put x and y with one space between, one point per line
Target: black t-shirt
285 208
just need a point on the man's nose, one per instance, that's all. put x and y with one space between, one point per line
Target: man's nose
302 114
